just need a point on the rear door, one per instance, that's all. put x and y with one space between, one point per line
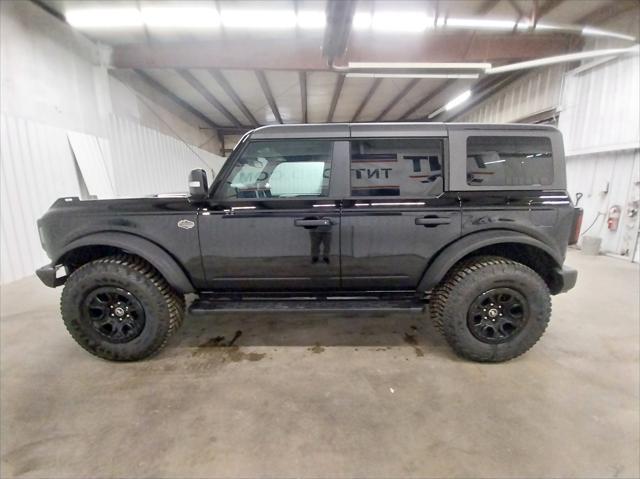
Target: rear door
274 221
397 215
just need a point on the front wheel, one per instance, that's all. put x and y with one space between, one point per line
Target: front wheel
120 308
491 309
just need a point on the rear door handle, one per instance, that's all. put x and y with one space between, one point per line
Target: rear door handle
433 221
313 222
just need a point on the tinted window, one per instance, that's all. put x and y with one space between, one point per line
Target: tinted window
281 169
396 167
509 161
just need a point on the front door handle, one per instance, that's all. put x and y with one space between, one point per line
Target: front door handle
433 221
312 222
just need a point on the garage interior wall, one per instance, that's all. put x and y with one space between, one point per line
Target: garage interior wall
597 108
54 84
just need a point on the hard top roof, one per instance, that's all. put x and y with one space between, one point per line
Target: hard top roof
355 130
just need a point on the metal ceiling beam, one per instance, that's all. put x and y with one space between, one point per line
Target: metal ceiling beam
486 6
336 95
401 94
303 96
338 28
607 12
207 95
303 54
169 94
439 89
545 9
264 84
219 77
367 97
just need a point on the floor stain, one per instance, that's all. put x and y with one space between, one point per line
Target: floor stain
212 343
412 341
316 349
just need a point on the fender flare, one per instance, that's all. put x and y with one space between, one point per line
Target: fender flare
149 251
460 248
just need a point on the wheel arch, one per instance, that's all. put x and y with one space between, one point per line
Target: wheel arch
97 245
519 247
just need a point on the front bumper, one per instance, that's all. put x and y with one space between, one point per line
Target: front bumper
568 277
52 275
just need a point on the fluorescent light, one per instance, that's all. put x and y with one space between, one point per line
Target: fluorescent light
435 113
390 21
268 19
401 22
177 17
104 18
459 100
418 66
362 21
311 20
441 22
492 162
605 33
413 75
561 59
480 23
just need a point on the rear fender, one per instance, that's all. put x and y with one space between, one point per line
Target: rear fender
465 246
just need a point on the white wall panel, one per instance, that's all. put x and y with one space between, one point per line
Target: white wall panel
605 180
37 167
146 162
536 92
600 122
600 107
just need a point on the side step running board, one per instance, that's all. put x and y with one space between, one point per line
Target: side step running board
206 306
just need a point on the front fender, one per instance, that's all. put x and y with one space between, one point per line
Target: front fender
168 267
457 250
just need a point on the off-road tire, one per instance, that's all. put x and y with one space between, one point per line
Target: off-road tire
163 307
451 299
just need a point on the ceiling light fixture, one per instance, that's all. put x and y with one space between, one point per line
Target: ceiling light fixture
459 100
200 17
104 18
470 76
311 20
480 23
263 19
397 22
417 66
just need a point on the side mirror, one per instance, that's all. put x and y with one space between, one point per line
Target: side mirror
198 185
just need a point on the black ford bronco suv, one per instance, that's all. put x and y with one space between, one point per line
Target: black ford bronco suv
469 221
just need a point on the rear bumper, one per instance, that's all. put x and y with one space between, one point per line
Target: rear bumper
52 275
568 277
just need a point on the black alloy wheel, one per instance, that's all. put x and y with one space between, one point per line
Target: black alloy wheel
497 315
116 314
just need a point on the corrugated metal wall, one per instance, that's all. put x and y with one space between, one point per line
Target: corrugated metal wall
37 167
600 107
605 180
600 122
536 92
146 162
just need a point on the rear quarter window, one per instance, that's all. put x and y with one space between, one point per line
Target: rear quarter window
509 161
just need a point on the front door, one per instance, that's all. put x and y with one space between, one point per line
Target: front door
397 216
273 223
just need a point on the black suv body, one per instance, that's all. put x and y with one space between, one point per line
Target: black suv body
473 218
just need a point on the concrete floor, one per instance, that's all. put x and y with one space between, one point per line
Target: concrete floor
328 396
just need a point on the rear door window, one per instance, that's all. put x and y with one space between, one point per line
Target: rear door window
404 167
509 161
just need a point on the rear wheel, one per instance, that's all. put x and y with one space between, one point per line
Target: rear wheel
491 309
120 308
